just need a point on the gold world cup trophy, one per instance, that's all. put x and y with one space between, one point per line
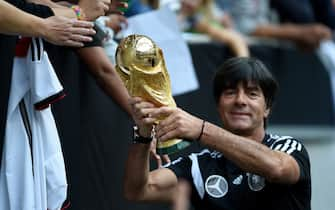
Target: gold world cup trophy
141 66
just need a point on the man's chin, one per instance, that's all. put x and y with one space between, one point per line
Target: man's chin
240 130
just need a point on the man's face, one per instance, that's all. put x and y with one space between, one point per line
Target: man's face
243 108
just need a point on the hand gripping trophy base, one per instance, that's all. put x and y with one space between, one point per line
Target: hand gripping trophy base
141 66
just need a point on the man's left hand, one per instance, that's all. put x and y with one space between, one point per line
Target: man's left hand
176 124
160 159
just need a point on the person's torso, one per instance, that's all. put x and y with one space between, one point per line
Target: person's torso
220 184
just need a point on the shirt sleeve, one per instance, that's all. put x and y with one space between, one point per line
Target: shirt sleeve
181 167
97 38
34 9
297 150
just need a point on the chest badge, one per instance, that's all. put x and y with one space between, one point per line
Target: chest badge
238 180
255 182
216 186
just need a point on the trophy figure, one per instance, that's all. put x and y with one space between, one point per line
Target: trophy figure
141 66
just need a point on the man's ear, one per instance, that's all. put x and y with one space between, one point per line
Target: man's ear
267 112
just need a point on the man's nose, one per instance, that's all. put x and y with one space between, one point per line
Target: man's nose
240 98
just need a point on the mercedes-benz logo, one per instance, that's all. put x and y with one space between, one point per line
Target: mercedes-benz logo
216 186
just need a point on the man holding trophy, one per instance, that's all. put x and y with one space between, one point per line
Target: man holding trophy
141 66
249 169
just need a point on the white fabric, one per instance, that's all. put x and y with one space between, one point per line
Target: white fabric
196 173
109 44
326 54
24 185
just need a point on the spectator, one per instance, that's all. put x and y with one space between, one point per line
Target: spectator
95 61
249 169
306 11
14 21
251 17
197 15
57 30
100 64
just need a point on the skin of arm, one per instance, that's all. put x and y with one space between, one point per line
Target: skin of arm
142 185
182 198
103 71
57 30
234 40
15 21
114 5
249 155
139 183
115 21
91 9
99 65
306 36
58 9
252 156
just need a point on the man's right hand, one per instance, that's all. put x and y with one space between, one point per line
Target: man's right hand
140 112
66 32
160 159
116 22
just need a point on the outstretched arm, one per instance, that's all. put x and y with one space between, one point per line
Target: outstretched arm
16 21
57 8
139 183
90 9
95 57
103 70
57 30
231 38
305 36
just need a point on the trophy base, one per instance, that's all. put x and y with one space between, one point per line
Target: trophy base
171 146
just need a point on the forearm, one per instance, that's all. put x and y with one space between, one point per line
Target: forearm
113 86
235 41
284 32
48 3
18 22
229 37
142 185
251 156
137 171
58 9
107 78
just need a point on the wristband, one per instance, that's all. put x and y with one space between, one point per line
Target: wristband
140 139
78 11
202 130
